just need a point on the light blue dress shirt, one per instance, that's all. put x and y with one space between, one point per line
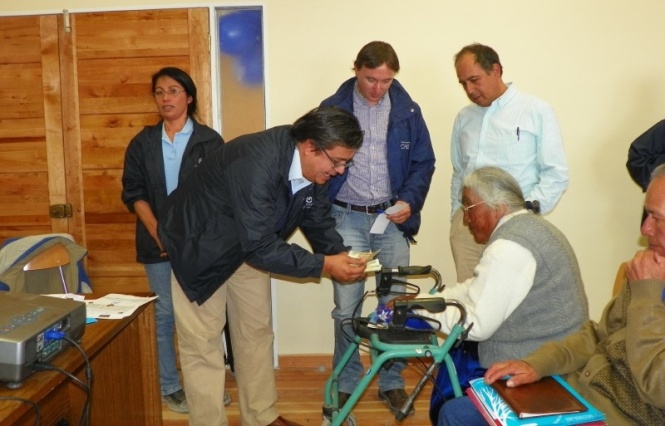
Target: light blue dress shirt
517 132
173 153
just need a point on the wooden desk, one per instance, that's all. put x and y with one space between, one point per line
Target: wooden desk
125 388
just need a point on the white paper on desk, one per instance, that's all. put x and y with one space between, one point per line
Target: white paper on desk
381 222
114 306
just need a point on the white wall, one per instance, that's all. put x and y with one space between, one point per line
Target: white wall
598 62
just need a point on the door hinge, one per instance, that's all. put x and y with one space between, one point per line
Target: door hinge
60 211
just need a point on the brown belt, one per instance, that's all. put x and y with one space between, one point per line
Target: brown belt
376 208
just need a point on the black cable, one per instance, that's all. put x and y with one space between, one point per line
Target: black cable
85 415
39 366
34 405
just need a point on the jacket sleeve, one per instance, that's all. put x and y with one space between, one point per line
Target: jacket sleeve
133 176
254 193
567 355
645 340
421 166
646 153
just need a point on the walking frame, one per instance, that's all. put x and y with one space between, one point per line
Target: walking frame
397 340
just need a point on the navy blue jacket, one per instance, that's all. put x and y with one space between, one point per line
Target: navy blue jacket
410 154
237 207
143 176
646 153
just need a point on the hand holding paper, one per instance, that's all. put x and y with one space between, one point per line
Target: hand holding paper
373 265
381 222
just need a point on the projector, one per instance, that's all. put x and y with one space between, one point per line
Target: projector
25 320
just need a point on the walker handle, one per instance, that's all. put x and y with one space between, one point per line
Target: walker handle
408 270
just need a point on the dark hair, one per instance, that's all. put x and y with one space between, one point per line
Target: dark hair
184 80
375 54
328 127
485 56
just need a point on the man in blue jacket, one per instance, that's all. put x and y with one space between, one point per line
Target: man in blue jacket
394 167
225 229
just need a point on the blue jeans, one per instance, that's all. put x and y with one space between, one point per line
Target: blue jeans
460 412
354 228
159 278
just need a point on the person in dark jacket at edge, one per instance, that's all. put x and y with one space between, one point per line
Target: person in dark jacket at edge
156 159
226 229
645 154
394 167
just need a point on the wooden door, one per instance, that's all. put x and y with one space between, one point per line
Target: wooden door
93 79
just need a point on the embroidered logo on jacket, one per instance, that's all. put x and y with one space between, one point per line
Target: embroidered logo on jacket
405 144
309 201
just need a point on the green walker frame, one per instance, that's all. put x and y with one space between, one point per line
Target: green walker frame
397 342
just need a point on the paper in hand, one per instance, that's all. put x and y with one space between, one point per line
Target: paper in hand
373 265
381 222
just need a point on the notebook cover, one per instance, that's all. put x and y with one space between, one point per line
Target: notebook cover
541 398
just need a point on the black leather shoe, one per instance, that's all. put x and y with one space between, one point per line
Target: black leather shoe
395 399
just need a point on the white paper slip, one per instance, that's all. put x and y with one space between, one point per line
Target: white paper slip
381 222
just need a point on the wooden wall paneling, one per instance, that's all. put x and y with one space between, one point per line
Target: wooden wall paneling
116 55
24 175
48 29
199 59
70 102
72 129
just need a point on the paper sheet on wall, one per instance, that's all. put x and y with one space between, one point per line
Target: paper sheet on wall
381 222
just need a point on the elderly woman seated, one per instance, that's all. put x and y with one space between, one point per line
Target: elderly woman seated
527 288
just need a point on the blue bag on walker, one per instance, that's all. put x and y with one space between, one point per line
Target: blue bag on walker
467 364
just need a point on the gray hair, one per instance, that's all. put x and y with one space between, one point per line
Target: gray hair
657 172
496 187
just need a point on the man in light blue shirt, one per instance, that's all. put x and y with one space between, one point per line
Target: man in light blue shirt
504 128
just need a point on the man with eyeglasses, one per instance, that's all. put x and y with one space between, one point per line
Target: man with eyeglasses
617 363
506 128
393 167
226 228
527 289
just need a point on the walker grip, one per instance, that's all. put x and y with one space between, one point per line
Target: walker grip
408 270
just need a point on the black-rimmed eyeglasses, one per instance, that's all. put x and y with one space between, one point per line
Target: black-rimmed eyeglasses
337 164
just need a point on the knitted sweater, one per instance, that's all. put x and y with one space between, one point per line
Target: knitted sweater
556 304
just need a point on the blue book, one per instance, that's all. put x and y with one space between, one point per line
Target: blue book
497 411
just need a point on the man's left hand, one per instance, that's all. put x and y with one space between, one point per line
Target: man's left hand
402 215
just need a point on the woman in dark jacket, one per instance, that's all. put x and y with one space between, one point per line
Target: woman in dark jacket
156 160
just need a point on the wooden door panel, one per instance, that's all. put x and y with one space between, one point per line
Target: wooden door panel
29 154
20 37
70 102
116 55
133 34
105 137
115 86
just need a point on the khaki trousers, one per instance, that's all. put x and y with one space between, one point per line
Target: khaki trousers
246 296
466 252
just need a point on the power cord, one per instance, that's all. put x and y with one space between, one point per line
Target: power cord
34 405
41 366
